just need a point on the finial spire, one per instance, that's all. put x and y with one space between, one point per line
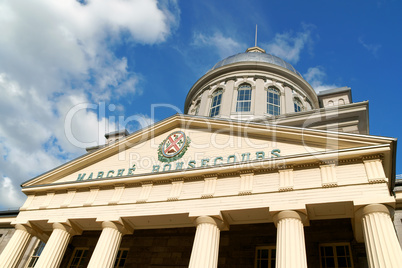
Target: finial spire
255 44
255 48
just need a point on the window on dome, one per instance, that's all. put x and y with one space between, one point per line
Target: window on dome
309 105
244 98
297 105
197 107
216 103
273 101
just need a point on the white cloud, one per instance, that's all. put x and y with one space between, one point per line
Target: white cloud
372 48
57 55
226 46
316 77
289 45
10 195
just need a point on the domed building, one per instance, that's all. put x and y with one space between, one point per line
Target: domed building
261 171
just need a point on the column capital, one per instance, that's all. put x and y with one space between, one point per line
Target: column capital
32 229
24 227
68 227
379 208
290 214
122 226
211 220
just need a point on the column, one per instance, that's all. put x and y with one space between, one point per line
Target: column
206 243
12 253
56 245
290 245
382 246
108 245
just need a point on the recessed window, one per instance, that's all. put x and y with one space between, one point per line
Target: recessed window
337 255
121 258
330 103
197 107
341 102
309 105
273 101
265 257
79 258
36 254
298 106
243 98
216 103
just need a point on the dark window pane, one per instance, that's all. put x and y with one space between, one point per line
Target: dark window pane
340 251
328 251
122 262
330 262
264 263
264 254
342 263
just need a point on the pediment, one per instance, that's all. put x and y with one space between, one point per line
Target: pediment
208 143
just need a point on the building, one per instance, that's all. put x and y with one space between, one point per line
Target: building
260 171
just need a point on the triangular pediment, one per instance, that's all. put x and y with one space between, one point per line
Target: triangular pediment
201 143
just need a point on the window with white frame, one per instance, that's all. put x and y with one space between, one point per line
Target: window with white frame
265 257
36 254
298 105
79 258
243 98
273 101
216 102
336 255
121 258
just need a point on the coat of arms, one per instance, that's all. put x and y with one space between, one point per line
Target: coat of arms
173 147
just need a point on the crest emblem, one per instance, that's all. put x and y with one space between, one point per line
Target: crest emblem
173 147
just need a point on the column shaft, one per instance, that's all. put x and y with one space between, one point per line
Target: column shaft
382 246
206 244
290 245
12 253
107 247
55 247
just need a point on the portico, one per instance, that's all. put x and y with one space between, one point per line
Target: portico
211 200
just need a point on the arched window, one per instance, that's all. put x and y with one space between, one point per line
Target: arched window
197 107
243 98
341 102
273 101
216 103
330 103
298 105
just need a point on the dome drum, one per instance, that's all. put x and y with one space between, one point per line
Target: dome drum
260 73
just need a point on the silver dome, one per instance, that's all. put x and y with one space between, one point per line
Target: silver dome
256 56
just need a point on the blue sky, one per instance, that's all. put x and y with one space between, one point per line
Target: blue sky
126 56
